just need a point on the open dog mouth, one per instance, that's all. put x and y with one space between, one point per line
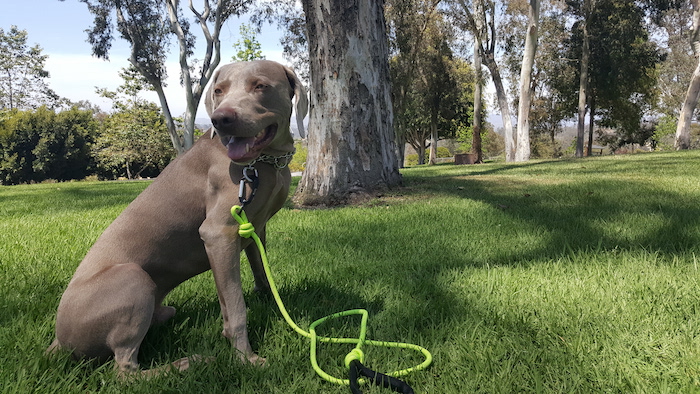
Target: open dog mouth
246 149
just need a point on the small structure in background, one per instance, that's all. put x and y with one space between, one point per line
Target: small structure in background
466 158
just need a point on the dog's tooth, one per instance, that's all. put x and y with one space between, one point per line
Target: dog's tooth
247 148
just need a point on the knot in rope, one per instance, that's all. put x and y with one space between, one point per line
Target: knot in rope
246 230
355 354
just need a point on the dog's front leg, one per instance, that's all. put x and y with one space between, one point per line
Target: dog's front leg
223 246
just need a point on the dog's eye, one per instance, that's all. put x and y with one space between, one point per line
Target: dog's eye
218 91
260 87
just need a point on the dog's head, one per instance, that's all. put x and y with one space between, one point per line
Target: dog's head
250 105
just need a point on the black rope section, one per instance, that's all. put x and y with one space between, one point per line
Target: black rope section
379 379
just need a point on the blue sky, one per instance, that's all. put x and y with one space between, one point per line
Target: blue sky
59 28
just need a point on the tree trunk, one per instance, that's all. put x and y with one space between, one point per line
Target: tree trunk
351 138
685 118
421 154
169 121
400 149
212 57
691 96
522 152
591 123
433 136
583 82
479 29
128 171
503 106
476 129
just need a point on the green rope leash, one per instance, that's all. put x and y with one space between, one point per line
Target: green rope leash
247 230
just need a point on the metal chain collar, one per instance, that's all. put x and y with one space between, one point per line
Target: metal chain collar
279 162
250 174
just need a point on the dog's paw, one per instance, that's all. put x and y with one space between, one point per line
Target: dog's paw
256 360
262 290
185 362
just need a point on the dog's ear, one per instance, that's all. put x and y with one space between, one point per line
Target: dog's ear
301 102
209 98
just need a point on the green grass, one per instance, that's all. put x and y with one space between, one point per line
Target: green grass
549 276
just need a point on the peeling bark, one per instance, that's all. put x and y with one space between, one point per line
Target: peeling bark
351 150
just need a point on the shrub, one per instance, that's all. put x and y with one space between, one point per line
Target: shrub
41 144
412 159
298 162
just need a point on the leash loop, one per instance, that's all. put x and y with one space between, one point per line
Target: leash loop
354 359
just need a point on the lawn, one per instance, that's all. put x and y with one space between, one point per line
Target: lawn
548 276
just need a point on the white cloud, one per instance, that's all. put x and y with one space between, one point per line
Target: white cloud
76 76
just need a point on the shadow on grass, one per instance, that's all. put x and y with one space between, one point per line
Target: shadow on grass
305 302
585 215
402 253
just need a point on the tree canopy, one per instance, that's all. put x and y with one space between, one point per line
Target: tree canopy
620 90
23 77
248 46
149 26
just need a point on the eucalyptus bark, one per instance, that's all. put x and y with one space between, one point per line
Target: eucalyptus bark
691 97
522 152
351 151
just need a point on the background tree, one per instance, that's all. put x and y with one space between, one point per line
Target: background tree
424 87
289 16
148 26
677 68
691 97
479 18
435 73
248 45
522 151
133 143
407 23
351 135
460 104
22 75
132 140
546 109
479 116
583 78
618 90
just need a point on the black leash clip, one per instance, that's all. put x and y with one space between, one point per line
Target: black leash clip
379 379
250 176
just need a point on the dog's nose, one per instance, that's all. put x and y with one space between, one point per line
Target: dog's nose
223 117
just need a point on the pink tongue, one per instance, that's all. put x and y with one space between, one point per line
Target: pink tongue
237 149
